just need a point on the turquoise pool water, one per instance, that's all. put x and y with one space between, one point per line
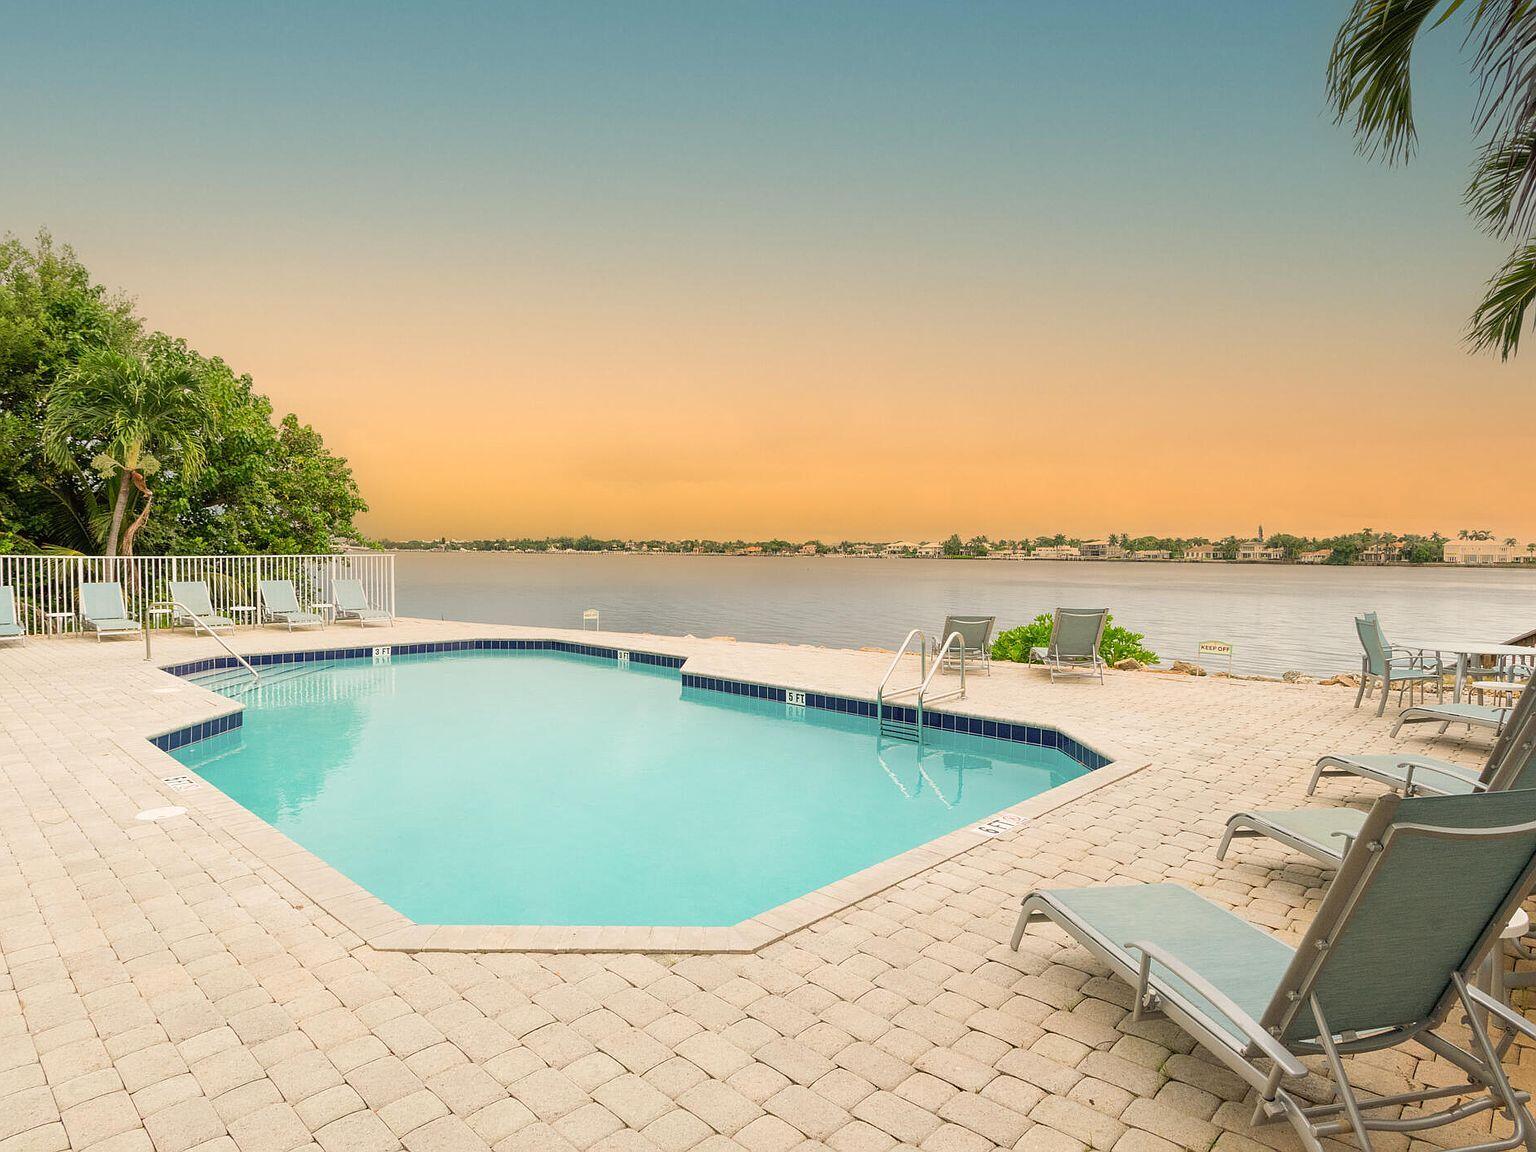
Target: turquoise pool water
545 788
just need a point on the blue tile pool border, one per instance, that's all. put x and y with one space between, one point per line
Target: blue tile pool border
192 733
1038 735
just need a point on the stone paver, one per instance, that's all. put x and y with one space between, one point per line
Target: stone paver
165 986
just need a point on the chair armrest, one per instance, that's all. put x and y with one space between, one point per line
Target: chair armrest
1473 778
1257 1036
1507 1016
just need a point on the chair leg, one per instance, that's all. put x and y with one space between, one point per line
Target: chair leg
1360 693
1317 775
1386 686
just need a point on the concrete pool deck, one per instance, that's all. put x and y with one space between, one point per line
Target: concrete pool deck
165 985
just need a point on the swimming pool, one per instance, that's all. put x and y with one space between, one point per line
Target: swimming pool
558 789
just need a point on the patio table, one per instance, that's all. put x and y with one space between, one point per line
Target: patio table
1464 650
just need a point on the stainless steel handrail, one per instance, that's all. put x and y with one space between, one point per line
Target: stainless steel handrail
938 662
201 623
922 655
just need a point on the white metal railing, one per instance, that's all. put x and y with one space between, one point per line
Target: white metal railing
208 628
48 587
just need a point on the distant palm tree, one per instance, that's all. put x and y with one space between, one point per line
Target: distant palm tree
125 411
1369 86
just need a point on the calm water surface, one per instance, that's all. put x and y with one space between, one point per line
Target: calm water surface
1277 618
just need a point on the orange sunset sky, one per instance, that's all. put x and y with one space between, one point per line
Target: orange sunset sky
845 271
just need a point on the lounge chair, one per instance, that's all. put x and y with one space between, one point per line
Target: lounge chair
352 603
975 641
1381 663
1325 834
281 604
1424 773
1416 908
104 613
193 605
11 627
1446 714
1076 634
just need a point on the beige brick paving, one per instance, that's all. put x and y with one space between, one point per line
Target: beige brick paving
166 986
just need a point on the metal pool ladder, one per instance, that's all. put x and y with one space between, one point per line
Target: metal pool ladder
895 727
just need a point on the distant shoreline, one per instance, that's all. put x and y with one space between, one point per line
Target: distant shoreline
1518 566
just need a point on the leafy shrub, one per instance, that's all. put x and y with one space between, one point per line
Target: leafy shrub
1118 643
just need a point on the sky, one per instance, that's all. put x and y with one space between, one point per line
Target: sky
844 270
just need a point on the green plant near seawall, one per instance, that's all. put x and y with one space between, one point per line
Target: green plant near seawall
1118 643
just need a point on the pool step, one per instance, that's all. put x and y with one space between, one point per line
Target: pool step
237 682
898 729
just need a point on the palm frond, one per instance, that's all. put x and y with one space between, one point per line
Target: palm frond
1506 66
1503 170
1500 318
1369 81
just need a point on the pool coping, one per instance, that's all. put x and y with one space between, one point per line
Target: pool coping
383 927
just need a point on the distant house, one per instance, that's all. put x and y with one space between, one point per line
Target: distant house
1152 554
807 549
1479 552
1316 556
1100 550
1257 550
1057 552
1203 552
1385 553
900 548
930 548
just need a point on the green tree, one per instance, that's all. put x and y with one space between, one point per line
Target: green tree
124 413
251 483
1370 87
50 312
954 546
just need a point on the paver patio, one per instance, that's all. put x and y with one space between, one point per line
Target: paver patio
162 985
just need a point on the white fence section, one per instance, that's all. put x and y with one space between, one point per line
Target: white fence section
48 587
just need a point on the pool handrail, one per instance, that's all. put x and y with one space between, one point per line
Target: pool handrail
224 644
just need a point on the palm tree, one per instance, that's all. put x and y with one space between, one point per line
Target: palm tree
126 413
1369 86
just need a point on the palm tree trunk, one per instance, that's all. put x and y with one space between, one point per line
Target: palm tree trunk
133 529
119 510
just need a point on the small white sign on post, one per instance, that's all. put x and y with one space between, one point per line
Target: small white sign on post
1217 648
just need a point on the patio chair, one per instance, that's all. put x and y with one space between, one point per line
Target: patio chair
104 613
281 604
11 627
1325 834
975 641
1381 663
352 604
1402 772
1076 634
192 604
1472 715
1416 908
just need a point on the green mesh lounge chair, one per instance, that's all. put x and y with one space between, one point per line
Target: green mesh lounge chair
1417 906
281 604
10 623
1325 834
1381 663
192 605
352 604
975 639
104 613
1426 773
1076 634
1446 714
